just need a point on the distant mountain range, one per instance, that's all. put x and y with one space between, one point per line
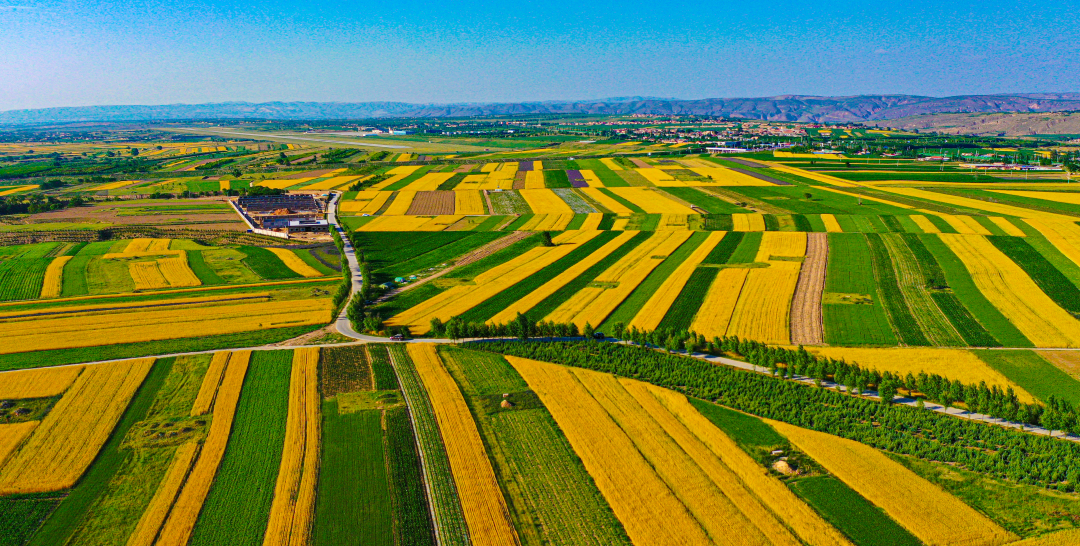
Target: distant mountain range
781 108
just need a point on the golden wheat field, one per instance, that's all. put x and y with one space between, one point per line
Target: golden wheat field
64 444
485 511
924 509
37 383
292 511
1014 293
176 529
638 496
86 330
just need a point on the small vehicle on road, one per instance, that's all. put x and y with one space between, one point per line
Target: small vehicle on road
397 337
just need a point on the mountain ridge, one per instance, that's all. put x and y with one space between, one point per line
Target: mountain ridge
802 108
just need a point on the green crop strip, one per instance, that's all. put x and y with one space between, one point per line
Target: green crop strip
896 305
564 293
1052 282
493 305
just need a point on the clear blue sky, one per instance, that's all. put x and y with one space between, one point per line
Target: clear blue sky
87 52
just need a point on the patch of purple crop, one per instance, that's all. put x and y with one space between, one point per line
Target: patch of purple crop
576 180
525 166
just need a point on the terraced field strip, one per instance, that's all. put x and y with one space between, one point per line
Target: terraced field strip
806 323
446 509
39 383
52 285
657 306
714 316
1014 293
141 325
912 280
433 203
524 295
639 497
748 222
972 332
68 439
460 299
605 200
900 314
293 262
292 511
469 202
592 304
716 506
927 511
176 527
485 509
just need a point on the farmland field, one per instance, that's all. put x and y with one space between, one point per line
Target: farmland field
613 338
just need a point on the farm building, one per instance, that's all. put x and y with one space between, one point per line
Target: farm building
290 213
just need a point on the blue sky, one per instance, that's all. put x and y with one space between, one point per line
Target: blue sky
64 53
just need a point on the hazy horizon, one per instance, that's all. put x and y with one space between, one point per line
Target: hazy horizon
157 52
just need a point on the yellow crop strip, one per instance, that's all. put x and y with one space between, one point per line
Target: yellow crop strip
550 287
657 176
147 276
714 315
138 245
824 178
716 512
763 523
592 222
545 202
996 208
176 531
157 245
401 203
153 517
37 383
781 244
293 508
459 299
396 175
395 223
440 223
429 181
831 225
927 511
482 502
591 179
961 226
748 222
12 435
605 200
764 306
1065 236
651 200
177 272
293 262
952 364
1008 227
60 449
639 498
592 304
135 326
650 314
924 224
53 284
534 180
1013 293
789 508
611 164
1056 197
469 202
211 380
